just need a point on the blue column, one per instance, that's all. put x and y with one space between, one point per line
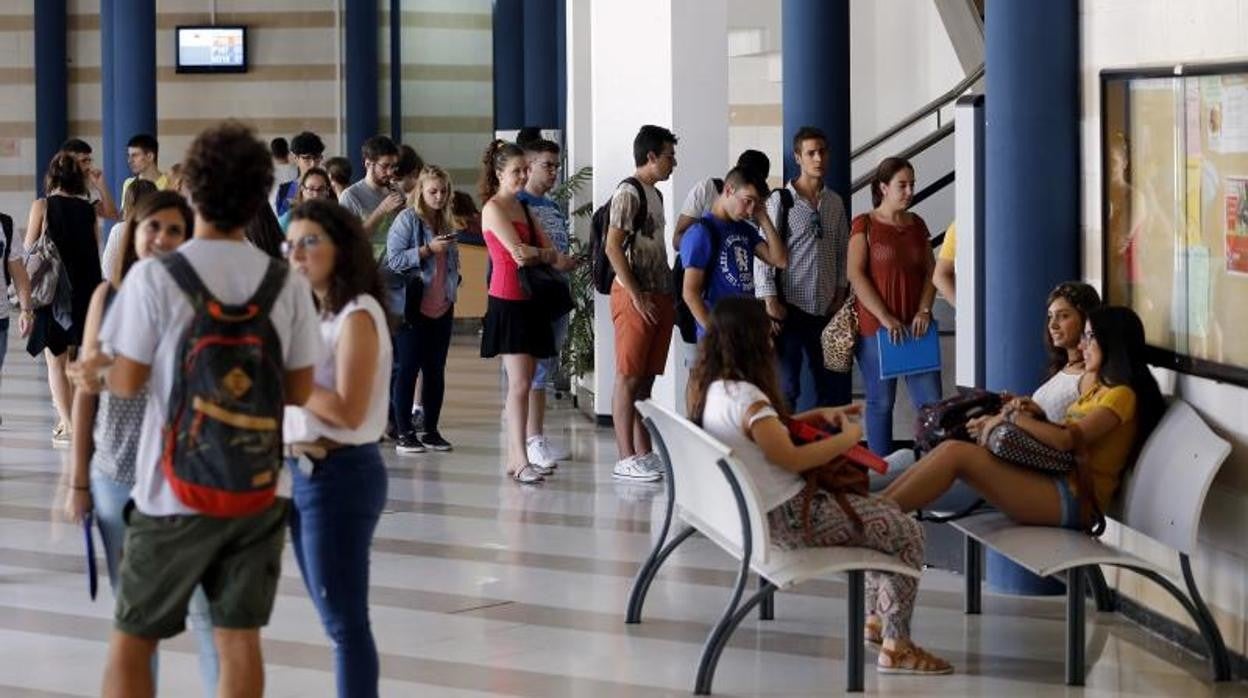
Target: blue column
362 95
561 68
396 71
1032 185
508 64
109 156
133 50
1031 240
540 63
815 64
51 85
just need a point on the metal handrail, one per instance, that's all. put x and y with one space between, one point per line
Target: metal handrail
919 146
922 112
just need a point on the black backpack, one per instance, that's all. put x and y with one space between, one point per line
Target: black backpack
6 222
601 271
782 227
222 446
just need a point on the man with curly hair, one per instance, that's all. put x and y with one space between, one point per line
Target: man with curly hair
170 547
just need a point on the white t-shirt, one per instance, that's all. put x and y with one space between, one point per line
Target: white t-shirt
112 249
9 255
727 404
149 316
301 425
700 198
1057 394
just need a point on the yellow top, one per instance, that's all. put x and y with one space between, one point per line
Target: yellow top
1108 455
162 183
949 248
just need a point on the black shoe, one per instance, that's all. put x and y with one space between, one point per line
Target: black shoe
434 440
409 443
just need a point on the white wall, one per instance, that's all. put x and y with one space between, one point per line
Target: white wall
668 80
1127 33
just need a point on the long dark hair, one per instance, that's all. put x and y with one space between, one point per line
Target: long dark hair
265 232
496 155
1084 299
1120 336
144 207
737 346
884 173
355 267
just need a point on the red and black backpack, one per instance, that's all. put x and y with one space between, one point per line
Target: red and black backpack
223 434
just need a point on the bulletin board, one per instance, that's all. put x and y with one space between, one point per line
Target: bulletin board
1174 157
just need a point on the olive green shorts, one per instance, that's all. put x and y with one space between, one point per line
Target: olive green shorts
238 561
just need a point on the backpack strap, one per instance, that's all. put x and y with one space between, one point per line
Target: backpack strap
6 222
187 279
528 219
271 286
786 203
639 219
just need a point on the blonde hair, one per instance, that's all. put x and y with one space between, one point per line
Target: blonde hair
444 221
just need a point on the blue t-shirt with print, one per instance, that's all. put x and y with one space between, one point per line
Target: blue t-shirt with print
548 215
731 272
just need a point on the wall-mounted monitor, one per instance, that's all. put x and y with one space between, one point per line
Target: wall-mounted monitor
211 49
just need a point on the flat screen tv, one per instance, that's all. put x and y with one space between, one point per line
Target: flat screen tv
211 49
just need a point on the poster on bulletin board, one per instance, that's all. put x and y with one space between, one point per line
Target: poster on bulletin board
1174 155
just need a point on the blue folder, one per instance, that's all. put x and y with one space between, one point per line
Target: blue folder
912 355
92 576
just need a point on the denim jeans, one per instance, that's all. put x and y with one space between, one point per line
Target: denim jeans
420 349
109 498
924 389
336 509
801 340
544 373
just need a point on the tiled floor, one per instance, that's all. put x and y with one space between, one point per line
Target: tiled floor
483 588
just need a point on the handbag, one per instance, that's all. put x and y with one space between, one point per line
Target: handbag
946 420
838 479
1013 444
544 285
840 335
45 268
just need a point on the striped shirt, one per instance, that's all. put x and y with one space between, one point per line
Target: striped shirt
818 243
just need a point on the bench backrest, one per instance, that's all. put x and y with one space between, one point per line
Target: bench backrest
1166 490
704 497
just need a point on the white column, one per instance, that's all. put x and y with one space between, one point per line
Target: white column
662 62
579 137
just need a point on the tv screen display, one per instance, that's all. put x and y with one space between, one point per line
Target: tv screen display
212 49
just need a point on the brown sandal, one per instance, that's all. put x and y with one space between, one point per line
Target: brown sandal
873 633
911 659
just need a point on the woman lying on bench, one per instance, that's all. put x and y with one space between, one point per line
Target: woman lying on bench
734 394
1118 406
1069 305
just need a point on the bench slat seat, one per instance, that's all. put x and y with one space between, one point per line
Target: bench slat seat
1045 550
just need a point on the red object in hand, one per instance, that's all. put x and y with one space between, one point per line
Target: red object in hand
804 433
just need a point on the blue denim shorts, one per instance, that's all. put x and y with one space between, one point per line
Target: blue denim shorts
1070 505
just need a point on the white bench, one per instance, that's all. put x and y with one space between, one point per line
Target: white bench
1163 498
711 492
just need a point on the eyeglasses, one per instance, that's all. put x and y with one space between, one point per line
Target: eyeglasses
818 225
307 242
317 191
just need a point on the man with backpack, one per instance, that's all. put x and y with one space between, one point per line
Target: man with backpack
802 298
719 250
222 337
630 263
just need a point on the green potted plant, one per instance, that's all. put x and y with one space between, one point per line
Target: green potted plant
577 357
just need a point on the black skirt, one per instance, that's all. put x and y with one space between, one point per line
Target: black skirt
516 327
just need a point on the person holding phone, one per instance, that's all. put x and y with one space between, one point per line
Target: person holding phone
423 258
890 269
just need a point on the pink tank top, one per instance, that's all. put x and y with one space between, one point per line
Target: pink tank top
505 275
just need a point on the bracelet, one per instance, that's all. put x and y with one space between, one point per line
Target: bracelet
80 488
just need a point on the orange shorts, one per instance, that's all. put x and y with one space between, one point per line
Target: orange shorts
641 348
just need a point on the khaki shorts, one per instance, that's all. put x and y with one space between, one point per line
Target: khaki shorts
641 348
238 561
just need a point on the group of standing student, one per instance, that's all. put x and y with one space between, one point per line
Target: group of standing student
326 307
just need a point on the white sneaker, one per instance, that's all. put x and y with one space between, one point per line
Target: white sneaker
631 468
556 452
539 452
653 463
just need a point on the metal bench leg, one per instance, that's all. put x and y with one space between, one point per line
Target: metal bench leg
1106 601
855 655
1218 656
718 639
767 606
1075 647
641 584
972 569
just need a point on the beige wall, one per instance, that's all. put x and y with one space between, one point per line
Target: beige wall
293 83
1127 33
